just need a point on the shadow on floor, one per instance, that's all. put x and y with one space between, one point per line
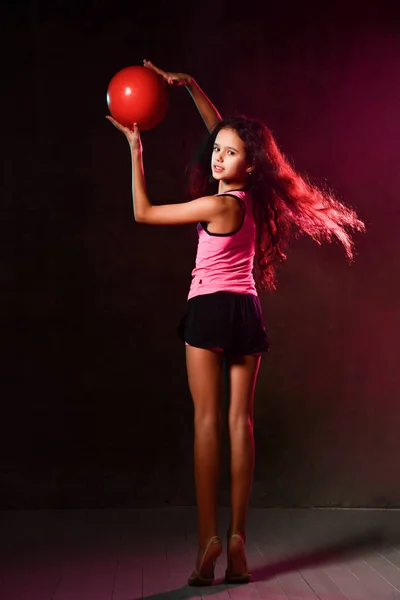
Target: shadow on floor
351 548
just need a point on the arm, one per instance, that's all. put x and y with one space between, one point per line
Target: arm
209 113
207 208
207 110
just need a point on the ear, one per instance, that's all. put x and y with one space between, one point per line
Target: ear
249 170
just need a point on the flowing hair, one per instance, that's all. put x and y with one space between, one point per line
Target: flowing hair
285 203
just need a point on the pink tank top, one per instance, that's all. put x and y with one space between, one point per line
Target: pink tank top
224 261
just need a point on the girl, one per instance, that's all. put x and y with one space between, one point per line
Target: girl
249 202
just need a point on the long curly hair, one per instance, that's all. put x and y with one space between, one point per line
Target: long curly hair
285 203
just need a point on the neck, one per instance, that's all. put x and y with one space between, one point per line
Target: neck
227 186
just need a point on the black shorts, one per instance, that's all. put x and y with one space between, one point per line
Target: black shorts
225 320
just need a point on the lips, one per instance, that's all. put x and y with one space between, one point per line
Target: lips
218 169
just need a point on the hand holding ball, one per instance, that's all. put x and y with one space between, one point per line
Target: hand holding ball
137 95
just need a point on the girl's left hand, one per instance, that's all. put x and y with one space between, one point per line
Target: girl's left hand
175 79
132 135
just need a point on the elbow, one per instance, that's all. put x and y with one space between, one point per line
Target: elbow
142 215
139 217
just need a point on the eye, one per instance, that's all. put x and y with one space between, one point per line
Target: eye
231 153
216 149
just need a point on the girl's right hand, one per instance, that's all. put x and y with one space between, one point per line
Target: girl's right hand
132 135
176 79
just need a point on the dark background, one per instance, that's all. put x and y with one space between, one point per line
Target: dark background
95 406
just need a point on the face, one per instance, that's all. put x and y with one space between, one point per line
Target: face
228 160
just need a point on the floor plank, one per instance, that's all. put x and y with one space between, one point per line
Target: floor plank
138 553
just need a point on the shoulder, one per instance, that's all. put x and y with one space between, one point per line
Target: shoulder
231 197
235 200
215 203
219 203
236 194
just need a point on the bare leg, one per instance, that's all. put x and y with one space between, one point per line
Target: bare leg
243 375
204 369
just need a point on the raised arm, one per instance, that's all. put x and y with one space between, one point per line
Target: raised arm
207 110
206 208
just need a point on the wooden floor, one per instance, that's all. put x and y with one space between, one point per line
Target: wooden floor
129 554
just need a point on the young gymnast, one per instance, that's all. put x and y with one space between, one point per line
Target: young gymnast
248 204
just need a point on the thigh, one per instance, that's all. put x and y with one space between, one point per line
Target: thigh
204 369
243 371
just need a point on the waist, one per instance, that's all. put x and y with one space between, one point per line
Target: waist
205 283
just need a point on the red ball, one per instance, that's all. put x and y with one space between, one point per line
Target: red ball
137 95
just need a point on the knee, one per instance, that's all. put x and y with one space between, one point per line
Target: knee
239 420
207 420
